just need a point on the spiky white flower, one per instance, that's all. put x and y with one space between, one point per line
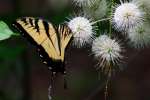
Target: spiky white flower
82 30
127 15
97 10
140 36
106 50
84 2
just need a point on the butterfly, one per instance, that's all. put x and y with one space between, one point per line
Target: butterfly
50 41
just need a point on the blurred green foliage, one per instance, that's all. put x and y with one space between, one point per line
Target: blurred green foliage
5 32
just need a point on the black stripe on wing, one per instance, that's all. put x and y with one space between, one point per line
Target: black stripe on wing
54 65
31 22
46 26
37 25
65 31
24 20
58 37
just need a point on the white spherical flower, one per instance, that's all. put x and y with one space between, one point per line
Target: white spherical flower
106 50
84 2
82 30
140 36
127 15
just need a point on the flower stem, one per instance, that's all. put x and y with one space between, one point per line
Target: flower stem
16 34
49 92
110 21
106 89
101 20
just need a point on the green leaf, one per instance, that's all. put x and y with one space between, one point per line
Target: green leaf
5 31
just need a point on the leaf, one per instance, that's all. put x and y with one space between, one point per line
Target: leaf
5 31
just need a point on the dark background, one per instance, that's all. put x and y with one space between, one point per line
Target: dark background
24 77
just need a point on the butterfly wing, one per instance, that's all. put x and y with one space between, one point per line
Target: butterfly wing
46 38
65 37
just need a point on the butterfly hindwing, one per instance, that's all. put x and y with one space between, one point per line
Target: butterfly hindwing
49 40
65 37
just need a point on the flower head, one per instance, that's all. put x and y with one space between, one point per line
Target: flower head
140 36
106 50
82 30
127 15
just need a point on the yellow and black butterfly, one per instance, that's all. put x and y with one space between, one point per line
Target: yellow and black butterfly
50 41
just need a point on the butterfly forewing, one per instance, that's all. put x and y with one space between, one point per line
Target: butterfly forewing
37 36
51 42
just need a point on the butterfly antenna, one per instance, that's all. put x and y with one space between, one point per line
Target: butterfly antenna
65 82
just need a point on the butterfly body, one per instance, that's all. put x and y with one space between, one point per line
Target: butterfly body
49 40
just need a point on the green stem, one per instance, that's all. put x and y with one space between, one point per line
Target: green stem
101 20
110 21
16 34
